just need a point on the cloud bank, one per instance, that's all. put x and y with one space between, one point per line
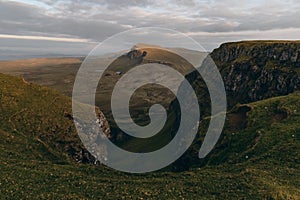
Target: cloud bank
82 24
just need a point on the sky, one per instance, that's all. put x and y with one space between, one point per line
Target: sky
74 27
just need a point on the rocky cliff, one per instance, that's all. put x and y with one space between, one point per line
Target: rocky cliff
258 70
251 71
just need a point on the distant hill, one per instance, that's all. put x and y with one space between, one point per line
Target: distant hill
57 73
25 64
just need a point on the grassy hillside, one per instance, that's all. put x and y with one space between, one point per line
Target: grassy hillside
264 131
257 161
39 113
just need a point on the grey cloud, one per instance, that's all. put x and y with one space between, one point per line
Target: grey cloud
111 4
23 19
98 19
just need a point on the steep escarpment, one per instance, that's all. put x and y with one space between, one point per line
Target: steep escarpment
257 70
251 71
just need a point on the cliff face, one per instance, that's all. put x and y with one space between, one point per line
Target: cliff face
278 51
251 71
258 70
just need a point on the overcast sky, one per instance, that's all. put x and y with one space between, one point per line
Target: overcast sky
53 27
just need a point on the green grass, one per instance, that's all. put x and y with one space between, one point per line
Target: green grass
37 112
27 176
37 166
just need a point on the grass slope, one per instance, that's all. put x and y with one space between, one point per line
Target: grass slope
36 112
31 167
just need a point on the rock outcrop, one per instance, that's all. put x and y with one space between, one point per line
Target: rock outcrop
93 152
279 51
258 70
136 54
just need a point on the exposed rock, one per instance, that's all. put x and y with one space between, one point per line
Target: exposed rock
93 152
254 71
136 54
